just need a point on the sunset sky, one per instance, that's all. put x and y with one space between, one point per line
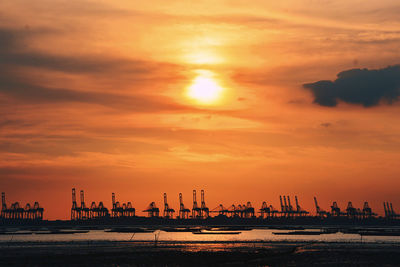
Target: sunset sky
247 100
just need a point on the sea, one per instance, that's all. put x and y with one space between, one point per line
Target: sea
252 235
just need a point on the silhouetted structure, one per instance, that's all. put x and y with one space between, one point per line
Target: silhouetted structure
168 212
183 211
83 212
17 212
389 212
205 212
351 212
75 210
124 210
4 209
242 211
152 210
201 212
221 210
248 211
196 210
80 211
367 211
299 211
335 210
320 212
99 211
267 211
288 211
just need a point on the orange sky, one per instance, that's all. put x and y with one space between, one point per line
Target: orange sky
145 97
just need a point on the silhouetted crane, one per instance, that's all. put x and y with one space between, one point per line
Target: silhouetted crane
299 210
196 210
4 209
248 210
124 210
75 210
115 210
389 212
205 212
221 210
290 208
183 211
18 212
152 210
335 210
367 211
130 211
37 213
168 212
267 211
352 212
84 209
320 212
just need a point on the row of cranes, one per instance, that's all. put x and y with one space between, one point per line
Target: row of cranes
198 212
350 211
83 212
18 212
201 211
389 212
266 211
99 211
121 210
287 209
241 210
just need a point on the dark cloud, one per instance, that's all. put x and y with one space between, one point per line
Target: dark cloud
7 40
15 39
358 86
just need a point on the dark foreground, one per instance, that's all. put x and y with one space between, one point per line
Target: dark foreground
109 253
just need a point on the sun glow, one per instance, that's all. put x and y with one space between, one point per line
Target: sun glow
204 57
204 88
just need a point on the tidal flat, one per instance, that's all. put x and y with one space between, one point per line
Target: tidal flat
208 253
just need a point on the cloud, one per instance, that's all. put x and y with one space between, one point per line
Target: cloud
19 83
31 93
358 86
326 124
15 52
7 123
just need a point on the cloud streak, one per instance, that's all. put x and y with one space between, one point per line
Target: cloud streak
18 83
358 86
35 94
14 52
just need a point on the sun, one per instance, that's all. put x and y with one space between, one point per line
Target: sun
204 88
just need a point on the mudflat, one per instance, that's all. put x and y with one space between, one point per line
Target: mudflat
137 253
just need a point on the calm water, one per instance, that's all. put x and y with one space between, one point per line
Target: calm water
253 235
